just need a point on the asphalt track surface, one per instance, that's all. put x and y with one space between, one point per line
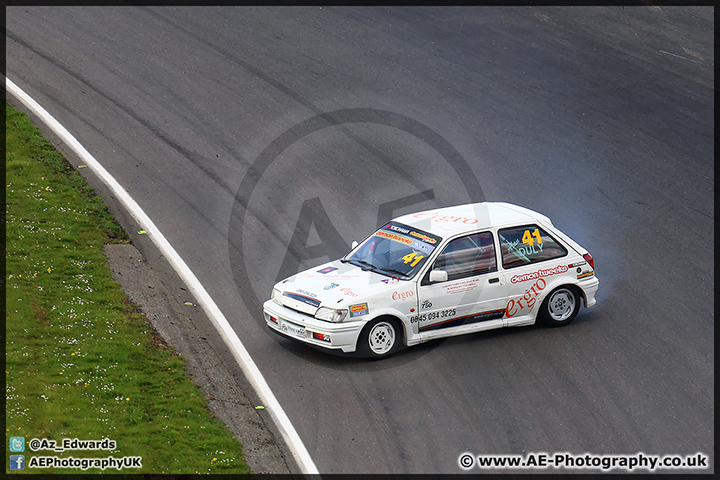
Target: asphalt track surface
247 133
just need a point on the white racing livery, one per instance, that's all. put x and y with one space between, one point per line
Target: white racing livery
436 274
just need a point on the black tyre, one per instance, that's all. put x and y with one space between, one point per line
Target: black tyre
380 338
560 307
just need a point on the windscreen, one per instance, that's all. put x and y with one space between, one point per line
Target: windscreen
395 250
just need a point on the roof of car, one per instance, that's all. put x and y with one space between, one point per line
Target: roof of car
460 218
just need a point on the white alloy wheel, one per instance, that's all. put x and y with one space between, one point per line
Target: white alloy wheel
381 338
561 304
560 307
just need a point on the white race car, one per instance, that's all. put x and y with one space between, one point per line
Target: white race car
436 274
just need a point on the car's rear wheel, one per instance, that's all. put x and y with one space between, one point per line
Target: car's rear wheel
380 338
560 307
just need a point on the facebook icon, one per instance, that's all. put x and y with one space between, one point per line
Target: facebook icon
17 462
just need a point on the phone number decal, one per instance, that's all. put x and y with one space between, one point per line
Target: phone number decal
433 315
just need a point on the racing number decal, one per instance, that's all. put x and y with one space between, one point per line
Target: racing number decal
413 257
527 238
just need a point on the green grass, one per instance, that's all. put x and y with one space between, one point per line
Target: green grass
81 361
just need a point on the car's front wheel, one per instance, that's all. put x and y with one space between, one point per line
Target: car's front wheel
560 307
380 338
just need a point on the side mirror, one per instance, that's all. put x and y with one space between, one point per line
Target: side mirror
354 244
437 276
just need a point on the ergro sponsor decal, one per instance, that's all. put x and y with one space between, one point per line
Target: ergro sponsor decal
527 300
524 277
402 296
435 216
347 292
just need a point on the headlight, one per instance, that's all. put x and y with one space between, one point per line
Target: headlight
275 296
335 315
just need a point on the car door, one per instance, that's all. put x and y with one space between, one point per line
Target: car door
473 296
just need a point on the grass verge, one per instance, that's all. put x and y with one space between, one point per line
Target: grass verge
81 361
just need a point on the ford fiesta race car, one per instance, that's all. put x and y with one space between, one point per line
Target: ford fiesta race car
436 274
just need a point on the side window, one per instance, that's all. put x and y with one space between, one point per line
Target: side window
468 256
526 245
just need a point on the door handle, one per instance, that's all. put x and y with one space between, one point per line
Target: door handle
494 280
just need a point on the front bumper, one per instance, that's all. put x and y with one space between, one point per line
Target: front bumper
304 328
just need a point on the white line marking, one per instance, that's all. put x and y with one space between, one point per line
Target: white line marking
242 356
680 56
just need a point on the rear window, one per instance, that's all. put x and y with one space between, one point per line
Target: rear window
526 245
